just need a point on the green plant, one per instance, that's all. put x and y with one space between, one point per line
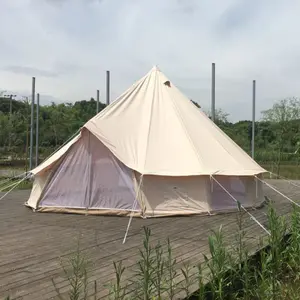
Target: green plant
144 274
75 269
170 270
261 277
201 294
159 270
278 230
269 275
242 273
219 265
186 271
117 291
291 291
155 271
273 273
293 243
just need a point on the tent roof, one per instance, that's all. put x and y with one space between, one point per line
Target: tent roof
154 129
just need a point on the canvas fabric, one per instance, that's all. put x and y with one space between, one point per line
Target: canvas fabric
154 129
152 146
165 196
89 177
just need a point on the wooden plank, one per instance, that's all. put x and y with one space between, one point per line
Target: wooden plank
31 243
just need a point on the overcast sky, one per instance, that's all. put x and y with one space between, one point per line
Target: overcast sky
69 44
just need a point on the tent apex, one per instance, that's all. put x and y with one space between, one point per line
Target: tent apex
155 68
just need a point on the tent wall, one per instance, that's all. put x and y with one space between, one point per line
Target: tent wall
245 189
39 184
90 177
164 196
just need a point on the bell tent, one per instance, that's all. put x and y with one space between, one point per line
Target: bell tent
150 153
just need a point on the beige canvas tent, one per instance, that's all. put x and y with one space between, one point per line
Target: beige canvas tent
151 152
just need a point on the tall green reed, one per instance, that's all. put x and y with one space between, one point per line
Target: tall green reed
233 273
75 268
293 244
219 265
116 290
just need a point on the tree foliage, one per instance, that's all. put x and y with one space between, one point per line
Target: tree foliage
278 134
283 111
57 122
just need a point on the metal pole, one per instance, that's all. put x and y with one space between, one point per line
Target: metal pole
107 87
27 131
253 117
213 91
10 120
37 130
10 105
31 124
98 99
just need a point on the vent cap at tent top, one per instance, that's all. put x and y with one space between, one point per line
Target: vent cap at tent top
167 83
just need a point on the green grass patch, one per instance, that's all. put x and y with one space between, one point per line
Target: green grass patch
6 186
290 171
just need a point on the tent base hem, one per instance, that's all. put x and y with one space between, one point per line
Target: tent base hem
82 211
127 213
158 214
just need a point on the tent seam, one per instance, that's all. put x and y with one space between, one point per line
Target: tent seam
140 82
184 128
233 142
149 124
222 133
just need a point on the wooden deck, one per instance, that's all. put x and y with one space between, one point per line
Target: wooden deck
31 243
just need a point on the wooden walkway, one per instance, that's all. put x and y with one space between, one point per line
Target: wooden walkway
31 243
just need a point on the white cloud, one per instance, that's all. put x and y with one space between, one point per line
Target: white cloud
68 45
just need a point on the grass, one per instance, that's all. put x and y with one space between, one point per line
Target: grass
7 183
290 290
291 171
226 273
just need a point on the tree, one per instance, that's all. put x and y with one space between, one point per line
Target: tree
220 116
281 116
277 137
57 123
284 110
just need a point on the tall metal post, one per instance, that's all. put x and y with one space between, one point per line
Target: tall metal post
10 105
213 91
10 120
107 87
253 117
37 130
98 99
31 124
27 133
